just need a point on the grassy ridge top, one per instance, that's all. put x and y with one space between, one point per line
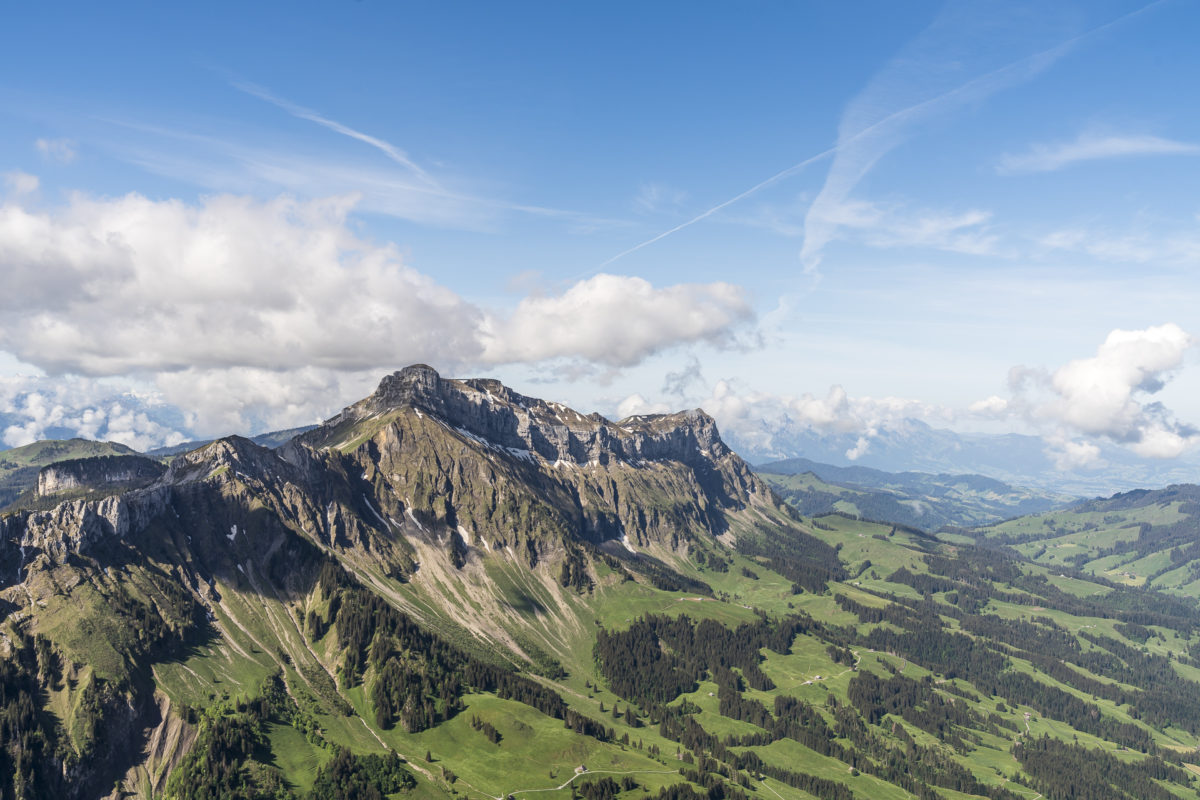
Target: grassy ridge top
19 466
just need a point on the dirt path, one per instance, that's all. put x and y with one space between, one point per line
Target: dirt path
815 678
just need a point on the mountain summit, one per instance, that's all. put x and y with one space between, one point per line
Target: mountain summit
487 409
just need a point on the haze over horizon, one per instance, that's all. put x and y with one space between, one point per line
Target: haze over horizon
814 218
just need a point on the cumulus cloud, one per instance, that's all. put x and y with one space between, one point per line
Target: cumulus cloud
615 320
1072 454
1091 147
64 151
33 408
762 420
106 287
1106 395
257 312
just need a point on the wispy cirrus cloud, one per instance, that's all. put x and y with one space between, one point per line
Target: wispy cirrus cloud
964 56
1091 147
223 164
64 151
657 198
1180 246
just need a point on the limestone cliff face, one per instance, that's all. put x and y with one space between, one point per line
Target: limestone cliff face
503 418
101 472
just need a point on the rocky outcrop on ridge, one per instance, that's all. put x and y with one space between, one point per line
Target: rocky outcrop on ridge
99 472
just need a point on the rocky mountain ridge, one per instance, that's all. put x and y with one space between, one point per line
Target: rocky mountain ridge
555 433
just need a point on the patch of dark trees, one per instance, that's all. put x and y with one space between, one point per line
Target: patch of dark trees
659 658
28 735
806 561
1062 771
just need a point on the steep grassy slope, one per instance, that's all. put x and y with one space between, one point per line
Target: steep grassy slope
634 602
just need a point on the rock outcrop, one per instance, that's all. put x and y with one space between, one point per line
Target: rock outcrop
98 473
491 411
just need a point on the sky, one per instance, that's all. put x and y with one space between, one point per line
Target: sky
237 217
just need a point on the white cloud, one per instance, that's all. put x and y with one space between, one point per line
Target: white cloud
1070 455
964 232
34 408
273 313
615 320
106 287
1106 395
1091 147
64 151
249 399
765 422
994 406
1137 247
636 404
21 183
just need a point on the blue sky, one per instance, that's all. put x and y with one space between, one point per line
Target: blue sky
833 215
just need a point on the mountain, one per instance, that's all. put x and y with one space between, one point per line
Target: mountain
269 439
913 446
452 589
19 466
916 499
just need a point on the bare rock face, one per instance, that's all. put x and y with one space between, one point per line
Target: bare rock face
491 411
507 470
100 472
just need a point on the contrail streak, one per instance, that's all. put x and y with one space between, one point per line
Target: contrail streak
776 177
1037 61
387 148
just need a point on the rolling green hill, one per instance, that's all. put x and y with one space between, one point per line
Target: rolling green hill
917 499
453 590
1138 538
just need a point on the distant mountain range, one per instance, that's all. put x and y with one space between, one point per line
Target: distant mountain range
1018 459
917 499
